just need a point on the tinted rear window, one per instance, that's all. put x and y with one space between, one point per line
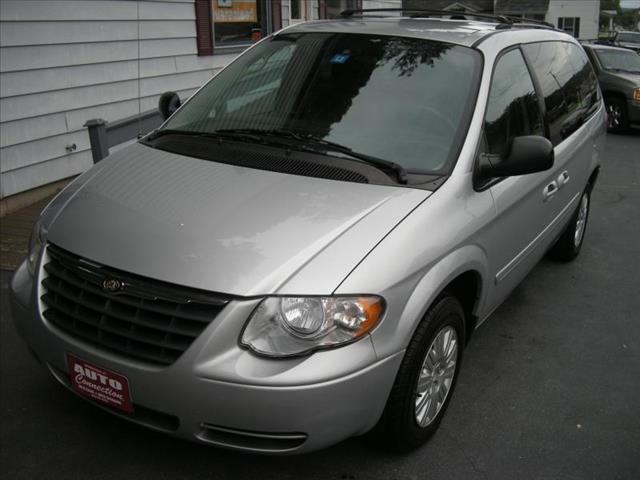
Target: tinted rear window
569 85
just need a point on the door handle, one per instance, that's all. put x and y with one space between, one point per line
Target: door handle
564 178
550 190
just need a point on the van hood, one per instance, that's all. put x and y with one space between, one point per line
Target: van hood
225 228
632 78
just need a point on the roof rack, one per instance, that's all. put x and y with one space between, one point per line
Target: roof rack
530 21
504 21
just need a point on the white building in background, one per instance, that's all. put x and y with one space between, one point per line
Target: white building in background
581 18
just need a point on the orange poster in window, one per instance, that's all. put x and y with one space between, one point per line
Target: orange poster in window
234 11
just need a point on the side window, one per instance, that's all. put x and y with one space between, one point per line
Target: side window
512 110
568 83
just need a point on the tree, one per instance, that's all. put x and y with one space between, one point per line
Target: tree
629 19
610 5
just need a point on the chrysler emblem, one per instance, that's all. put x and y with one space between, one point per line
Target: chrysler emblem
111 285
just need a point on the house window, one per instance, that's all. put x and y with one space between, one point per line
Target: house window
234 23
238 22
296 9
570 25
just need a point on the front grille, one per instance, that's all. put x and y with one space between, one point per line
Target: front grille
144 319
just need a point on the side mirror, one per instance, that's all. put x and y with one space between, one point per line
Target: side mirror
528 154
169 102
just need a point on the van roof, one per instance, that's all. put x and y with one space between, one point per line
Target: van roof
462 32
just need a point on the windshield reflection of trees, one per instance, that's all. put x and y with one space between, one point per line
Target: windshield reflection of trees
331 87
408 54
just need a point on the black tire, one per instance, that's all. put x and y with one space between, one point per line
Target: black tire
567 247
618 116
398 429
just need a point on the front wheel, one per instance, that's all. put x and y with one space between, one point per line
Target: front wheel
425 380
569 244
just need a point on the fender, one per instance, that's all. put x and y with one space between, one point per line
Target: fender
392 336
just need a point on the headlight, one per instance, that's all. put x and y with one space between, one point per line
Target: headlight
38 237
288 326
636 94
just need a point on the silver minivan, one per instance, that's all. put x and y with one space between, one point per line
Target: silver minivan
300 253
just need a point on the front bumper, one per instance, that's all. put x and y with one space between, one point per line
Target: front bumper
221 394
633 109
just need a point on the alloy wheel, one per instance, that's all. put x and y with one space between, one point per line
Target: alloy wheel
581 221
436 376
615 115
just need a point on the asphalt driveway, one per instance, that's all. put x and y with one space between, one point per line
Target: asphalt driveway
550 388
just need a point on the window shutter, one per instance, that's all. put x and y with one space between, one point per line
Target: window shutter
576 27
276 15
204 30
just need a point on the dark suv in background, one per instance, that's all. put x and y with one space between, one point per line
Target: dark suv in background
618 72
630 40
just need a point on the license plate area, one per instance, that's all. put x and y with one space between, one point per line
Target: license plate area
99 384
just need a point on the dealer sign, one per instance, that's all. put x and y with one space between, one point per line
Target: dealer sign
99 384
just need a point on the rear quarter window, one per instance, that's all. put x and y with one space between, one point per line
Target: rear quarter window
569 85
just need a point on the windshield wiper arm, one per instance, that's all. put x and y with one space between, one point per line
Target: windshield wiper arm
195 133
399 170
263 132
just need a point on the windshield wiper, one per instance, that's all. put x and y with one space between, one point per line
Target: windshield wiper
300 141
399 170
325 145
262 132
195 133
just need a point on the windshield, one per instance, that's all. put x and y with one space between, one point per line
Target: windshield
397 99
629 37
619 60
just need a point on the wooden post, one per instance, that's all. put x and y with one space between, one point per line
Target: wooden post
98 137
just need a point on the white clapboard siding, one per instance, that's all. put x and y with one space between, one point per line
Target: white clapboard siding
44 173
63 62
51 79
48 56
29 129
14 34
54 10
44 103
38 151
